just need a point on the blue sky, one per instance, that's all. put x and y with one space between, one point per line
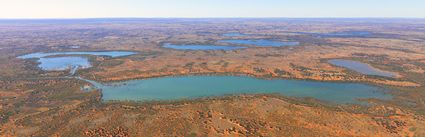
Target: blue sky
210 8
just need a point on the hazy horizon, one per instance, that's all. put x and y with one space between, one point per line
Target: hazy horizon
84 18
77 9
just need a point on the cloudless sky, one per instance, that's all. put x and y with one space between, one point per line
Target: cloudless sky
210 8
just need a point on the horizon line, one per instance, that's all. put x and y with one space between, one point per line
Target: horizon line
82 18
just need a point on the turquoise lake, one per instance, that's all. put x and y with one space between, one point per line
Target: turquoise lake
260 42
188 87
360 67
201 47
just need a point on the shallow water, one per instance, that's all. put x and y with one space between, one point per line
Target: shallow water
348 34
70 62
261 43
187 87
63 63
341 34
95 53
234 35
360 67
202 47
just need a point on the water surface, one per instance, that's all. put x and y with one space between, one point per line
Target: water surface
234 34
341 34
63 63
95 53
348 34
361 67
202 47
73 63
187 87
260 42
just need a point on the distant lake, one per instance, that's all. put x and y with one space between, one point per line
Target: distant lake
234 35
95 53
201 47
260 42
69 62
361 67
348 34
188 87
341 34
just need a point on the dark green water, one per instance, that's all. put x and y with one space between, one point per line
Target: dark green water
187 87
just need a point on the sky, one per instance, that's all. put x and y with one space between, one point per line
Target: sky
210 8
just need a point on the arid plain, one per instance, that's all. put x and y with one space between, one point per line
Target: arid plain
37 102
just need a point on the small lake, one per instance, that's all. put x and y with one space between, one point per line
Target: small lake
188 87
202 47
260 42
341 34
70 62
63 63
348 34
360 67
235 34
95 53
